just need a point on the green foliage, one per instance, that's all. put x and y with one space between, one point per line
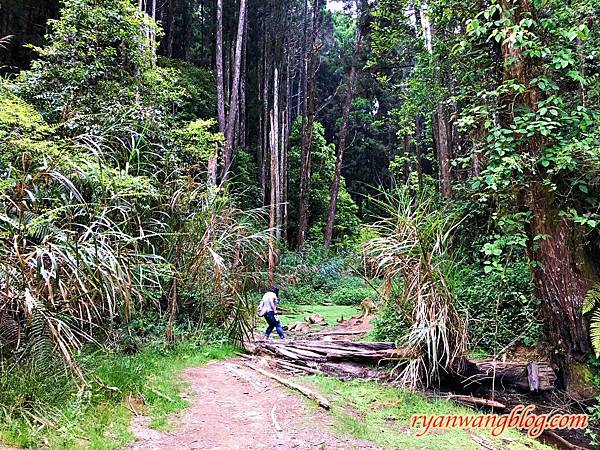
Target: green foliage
501 308
316 276
245 178
196 86
344 290
114 219
199 142
323 168
591 304
98 58
392 323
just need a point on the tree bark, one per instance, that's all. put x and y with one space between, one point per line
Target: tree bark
559 283
235 89
274 215
212 163
443 139
335 185
219 68
307 131
275 153
242 113
286 145
171 28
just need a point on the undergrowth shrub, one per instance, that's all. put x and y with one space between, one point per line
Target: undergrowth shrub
316 276
501 311
391 324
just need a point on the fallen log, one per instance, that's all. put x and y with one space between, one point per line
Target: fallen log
344 344
558 440
299 351
297 367
527 376
339 333
322 401
474 401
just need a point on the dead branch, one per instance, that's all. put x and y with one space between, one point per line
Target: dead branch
322 401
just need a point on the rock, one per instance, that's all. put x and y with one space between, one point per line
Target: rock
314 318
299 327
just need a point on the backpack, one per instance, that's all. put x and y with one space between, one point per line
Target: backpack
261 309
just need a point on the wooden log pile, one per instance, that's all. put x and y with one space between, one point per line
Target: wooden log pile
330 351
340 358
351 359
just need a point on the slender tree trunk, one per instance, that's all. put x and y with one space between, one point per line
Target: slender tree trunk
286 145
189 31
265 112
335 185
235 89
171 29
273 217
443 138
275 153
212 163
302 86
242 114
307 131
219 68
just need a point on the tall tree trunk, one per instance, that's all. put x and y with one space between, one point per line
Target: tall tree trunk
286 144
307 130
273 217
235 89
265 121
275 153
559 283
350 86
219 68
242 113
443 138
212 163
171 29
302 86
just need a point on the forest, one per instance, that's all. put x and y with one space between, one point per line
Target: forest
420 179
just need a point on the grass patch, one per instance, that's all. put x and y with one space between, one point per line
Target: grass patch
55 410
331 313
381 414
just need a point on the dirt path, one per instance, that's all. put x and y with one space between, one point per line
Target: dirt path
231 408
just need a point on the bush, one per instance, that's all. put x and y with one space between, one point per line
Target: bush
301 294
351 291
316 276
392 323
500 310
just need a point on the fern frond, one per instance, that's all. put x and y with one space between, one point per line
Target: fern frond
591 299
595 332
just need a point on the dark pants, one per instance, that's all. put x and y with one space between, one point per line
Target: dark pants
270 318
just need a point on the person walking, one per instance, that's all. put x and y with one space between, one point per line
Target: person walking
269 309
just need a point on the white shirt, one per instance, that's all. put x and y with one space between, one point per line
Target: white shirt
268 300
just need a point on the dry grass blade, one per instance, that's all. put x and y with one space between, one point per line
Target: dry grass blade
413 236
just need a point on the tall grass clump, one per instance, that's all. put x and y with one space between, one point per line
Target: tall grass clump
412 247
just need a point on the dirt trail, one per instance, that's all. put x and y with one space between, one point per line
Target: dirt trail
231 407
